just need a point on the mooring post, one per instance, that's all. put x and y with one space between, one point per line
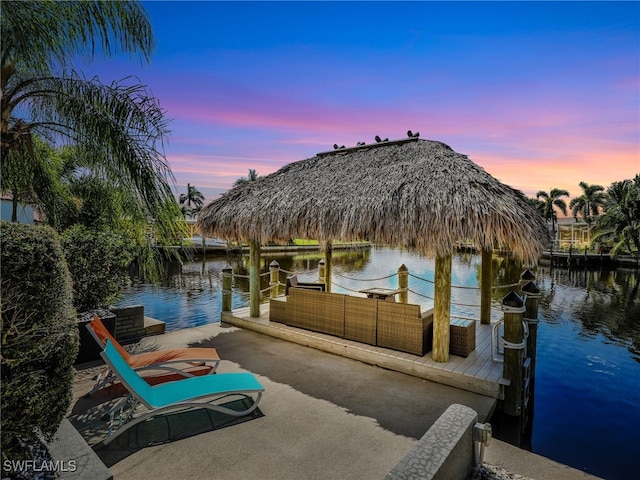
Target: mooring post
526 277
274 278
569 261
532 292
514 345
403 283
321 271
227 281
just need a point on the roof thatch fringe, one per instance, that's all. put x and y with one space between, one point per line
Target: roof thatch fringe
418 194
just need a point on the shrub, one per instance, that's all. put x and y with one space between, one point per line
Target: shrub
98 262
39 336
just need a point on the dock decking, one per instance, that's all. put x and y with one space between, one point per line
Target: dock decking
477 373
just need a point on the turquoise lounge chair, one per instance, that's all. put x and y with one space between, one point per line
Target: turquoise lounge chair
193 392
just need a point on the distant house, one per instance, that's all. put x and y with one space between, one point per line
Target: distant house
26 213
572 233
191 218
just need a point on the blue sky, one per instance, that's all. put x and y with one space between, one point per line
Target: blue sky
540 94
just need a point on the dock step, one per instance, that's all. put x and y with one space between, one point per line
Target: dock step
153 326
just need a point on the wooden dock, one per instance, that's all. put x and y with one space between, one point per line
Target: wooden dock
477 373
581 260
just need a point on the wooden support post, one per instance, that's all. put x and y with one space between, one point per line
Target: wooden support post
403 283
321 271
531 290
254 278
441 309
485 287
227 282
327 265
514 345
274 278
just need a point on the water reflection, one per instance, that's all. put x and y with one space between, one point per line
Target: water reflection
600 302
603 303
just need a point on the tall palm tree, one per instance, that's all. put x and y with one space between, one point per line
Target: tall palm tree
589 204
193 196
552 200
119 128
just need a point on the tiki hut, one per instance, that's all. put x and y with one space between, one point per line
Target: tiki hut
414 193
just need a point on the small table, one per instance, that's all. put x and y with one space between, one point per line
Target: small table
386 294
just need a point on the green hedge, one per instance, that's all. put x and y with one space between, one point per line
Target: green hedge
99 263
39 335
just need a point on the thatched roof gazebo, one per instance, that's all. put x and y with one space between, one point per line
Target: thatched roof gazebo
414 193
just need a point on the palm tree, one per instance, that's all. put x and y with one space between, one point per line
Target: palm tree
193 196
589 204
251 177
34 178
621 218
119 128
550 201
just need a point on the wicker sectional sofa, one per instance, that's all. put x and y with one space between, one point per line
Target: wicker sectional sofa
397 326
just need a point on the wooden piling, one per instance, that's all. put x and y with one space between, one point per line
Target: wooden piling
485 287
514 345
227 282
403 283
254 278
327 265
441 309
531 290
274 278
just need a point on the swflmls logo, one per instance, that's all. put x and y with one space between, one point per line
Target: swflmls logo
44 466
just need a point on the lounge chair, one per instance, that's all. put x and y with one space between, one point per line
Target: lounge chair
160 360
292 282
184 394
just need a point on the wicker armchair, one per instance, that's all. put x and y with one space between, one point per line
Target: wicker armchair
403 327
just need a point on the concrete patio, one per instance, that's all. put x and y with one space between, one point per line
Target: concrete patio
325 416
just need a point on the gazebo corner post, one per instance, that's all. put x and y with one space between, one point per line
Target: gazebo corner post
514 346
274 278
441 309
227 282
254 278
321 271
328 247
485 286
403 283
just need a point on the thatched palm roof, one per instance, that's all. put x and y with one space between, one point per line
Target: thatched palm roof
414 193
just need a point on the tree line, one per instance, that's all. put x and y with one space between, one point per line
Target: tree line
613 213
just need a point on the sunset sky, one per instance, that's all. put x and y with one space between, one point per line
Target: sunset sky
540 94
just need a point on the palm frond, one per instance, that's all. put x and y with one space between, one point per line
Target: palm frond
40 37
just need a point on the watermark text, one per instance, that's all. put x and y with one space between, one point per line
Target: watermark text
39 465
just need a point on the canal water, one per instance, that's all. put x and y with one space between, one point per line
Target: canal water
586 408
